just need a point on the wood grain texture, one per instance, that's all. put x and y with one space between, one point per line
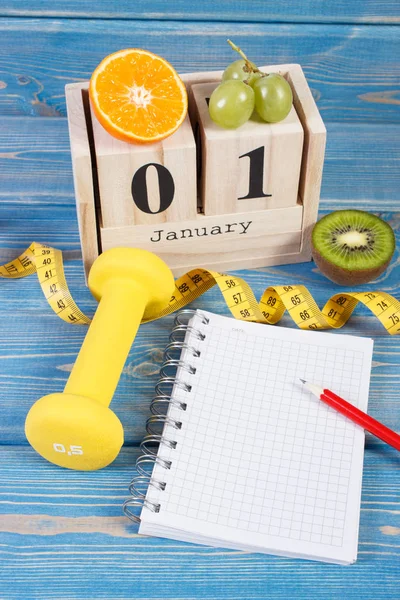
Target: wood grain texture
64 533
258 239
37 202
360 170
313 155
226 164
118 162
360 165
353 70
308 11
37 350
84 184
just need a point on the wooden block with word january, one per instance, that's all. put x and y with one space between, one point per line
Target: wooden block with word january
254 167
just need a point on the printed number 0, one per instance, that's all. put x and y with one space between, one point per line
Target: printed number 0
59 447
165 184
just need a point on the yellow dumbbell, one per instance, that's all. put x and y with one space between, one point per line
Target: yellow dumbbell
76 429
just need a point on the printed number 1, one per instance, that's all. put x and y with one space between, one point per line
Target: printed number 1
256 176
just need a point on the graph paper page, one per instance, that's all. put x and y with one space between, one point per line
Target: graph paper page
260 463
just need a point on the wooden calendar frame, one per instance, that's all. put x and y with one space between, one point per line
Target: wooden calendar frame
277 236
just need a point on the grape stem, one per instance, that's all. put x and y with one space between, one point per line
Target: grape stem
249 66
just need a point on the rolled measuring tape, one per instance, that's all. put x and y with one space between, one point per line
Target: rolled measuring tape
47 262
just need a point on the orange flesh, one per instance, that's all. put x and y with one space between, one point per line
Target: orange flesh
137 95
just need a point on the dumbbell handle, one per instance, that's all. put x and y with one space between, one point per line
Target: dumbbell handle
108 341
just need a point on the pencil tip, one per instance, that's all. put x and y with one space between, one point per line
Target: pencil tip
302 380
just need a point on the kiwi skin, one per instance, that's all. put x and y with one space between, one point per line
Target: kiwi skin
352 276
346 277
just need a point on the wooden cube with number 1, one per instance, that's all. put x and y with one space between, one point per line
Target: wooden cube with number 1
254 167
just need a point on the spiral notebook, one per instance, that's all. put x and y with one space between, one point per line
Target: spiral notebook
248 459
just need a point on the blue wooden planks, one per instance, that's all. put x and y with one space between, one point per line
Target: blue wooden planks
260 11
62 533
353 71
64 536
43 348
37 350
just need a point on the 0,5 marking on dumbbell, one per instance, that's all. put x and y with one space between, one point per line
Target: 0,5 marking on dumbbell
72 449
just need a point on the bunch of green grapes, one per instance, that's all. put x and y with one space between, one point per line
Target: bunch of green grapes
245 88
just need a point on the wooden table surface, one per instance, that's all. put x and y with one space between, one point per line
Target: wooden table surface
62 533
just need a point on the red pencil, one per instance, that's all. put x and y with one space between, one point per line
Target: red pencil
355 414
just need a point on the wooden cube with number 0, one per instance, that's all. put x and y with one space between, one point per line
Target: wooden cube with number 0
254 167
144 184
258 209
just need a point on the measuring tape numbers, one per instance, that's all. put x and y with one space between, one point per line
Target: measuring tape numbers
47 262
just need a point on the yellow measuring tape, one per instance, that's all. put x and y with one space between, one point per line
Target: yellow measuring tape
296 299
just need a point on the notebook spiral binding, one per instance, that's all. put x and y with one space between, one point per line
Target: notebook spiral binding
163 397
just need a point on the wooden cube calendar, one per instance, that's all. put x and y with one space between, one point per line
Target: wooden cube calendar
213 198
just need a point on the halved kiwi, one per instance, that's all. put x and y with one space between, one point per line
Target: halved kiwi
352 247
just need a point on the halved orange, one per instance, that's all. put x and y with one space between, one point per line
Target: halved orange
138 96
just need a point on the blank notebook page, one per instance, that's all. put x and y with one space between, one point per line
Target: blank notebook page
260 464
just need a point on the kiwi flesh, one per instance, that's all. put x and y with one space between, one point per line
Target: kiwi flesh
352 247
